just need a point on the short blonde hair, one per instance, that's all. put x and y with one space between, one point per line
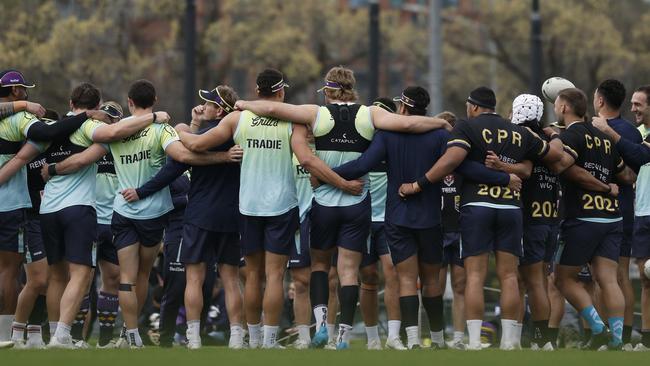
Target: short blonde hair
345 78
447 116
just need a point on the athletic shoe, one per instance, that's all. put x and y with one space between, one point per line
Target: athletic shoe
320 338
613 347
136 347
19 344
274 346
80 344
458 345
236 341
640 347
548 347
35 343
112 344
6 344
474 348
300 344
508 347
628 347
597 341
55 342
122 343
415 346
194 344
331 345
396 344
437 346
342 346
374 345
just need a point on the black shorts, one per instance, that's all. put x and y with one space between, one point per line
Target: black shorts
274 234
299 256
641 238
627 241
204 246
347 227
451 249
34 247
585 240
486 229
173 233
11 231
106 251
539 241
377 245
127 231
406 242
70 234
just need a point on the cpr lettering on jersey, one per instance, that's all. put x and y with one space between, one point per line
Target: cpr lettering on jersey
134 158
594 142
264 144
138 135
501 136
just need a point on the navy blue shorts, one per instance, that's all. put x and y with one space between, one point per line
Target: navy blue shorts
377 245
173 233
34 247
11 231
585 240
641 238
627 241
70 234
106 251
406 242
537 240
127 231
299 256
347 227
274 234
553 244
485 229
206 246
451 249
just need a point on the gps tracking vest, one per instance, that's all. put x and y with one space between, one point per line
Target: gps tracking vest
343 136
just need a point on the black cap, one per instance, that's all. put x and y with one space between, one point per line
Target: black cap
483 97
271 81
415 97
385 103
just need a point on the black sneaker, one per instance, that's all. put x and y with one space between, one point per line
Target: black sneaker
598 340
436 346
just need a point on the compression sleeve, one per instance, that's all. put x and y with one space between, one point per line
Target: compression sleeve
41 131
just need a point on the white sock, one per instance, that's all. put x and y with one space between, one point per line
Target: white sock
458 336
34 333
194 330
438 337
18 331
133 336
344 333
412 336
474 331
254 335
5 327
508 330
303 333
372 333
53 328
331 332
62 331
236 329
270 335
393 328
519 327
320 314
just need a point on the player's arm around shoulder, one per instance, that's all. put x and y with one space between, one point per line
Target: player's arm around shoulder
385 120
27 153
127 126
216 136
304 114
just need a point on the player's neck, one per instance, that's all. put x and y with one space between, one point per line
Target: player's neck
77 111
571 119
137 112
608 114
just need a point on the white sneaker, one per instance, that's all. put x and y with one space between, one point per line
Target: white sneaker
640 347
19 344
276 345
374 345
122 343
194 344
112 344
331 345
508 347
628 347
395 343
476 347
35 343
55 342
236 341
548 347
6 344
81 344
300 344
457 345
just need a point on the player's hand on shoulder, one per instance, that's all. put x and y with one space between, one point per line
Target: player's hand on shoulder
35 109
130 195
514 183
235 154
162 117
99 115
240 105
182 127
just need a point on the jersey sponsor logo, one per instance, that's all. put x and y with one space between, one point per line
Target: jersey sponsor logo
343 139
264 144
513 137
134 158
264 121
137 135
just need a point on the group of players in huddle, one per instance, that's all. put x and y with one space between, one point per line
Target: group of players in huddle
327 192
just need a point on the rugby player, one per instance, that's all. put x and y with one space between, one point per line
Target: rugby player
641 109
342 129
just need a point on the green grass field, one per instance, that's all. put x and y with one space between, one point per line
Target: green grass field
222 356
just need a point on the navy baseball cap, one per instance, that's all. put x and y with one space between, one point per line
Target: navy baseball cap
14 78
213 96
113 110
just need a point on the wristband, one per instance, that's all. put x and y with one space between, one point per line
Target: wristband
51 169
154 117
423 182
